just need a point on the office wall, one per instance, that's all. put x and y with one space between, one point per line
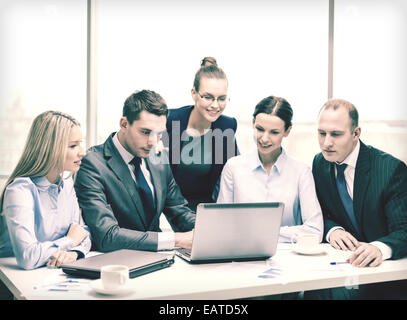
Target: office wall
42 67
265 48
274 47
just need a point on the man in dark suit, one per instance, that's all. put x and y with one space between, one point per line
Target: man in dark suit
123 186
363 196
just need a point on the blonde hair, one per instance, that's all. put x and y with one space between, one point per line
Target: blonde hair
45 148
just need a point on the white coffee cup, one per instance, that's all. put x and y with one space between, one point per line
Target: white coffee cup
114 276
305 242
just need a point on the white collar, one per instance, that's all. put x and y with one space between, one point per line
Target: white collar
352 158
43 183
255 162
127 156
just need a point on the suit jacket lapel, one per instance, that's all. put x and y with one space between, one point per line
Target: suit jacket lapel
184 118
176 144
362 179
121 170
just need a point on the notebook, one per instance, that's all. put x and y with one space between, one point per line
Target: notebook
139 263
234 232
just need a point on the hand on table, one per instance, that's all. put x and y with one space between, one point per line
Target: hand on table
343 240
60 257
366 255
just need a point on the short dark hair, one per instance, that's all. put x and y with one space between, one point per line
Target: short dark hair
276 106
341 103
147 100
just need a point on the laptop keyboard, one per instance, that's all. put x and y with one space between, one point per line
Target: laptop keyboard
184 251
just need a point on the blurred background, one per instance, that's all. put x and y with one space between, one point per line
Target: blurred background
276 47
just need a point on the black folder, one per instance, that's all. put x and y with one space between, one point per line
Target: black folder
139 263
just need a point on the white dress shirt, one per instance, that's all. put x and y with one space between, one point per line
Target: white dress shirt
38 215
349 174
244 179
166 240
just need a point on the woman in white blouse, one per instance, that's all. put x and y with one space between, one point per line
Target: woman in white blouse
269 175
40 222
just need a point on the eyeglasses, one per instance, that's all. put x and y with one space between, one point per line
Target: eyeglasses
208 99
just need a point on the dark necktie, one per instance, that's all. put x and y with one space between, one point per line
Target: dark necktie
345 197
144 190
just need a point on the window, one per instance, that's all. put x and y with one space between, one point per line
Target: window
277 47
370 68
264 47
43 63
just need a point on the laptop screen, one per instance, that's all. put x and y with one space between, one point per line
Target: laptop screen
234 231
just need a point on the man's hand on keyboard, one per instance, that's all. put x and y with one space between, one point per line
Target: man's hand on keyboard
184 239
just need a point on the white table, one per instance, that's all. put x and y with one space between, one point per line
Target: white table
218 281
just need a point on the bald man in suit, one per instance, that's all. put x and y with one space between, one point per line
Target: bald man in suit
363 196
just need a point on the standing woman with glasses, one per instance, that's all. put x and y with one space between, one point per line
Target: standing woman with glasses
40 221
201 139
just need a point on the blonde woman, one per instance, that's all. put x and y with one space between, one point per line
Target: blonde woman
40 221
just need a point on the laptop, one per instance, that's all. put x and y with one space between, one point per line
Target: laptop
139 263
234 232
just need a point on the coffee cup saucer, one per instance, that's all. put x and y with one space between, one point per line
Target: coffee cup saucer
309 251
97 285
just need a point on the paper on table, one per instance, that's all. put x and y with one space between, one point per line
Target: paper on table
238 269
59 283
288 265
53 276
